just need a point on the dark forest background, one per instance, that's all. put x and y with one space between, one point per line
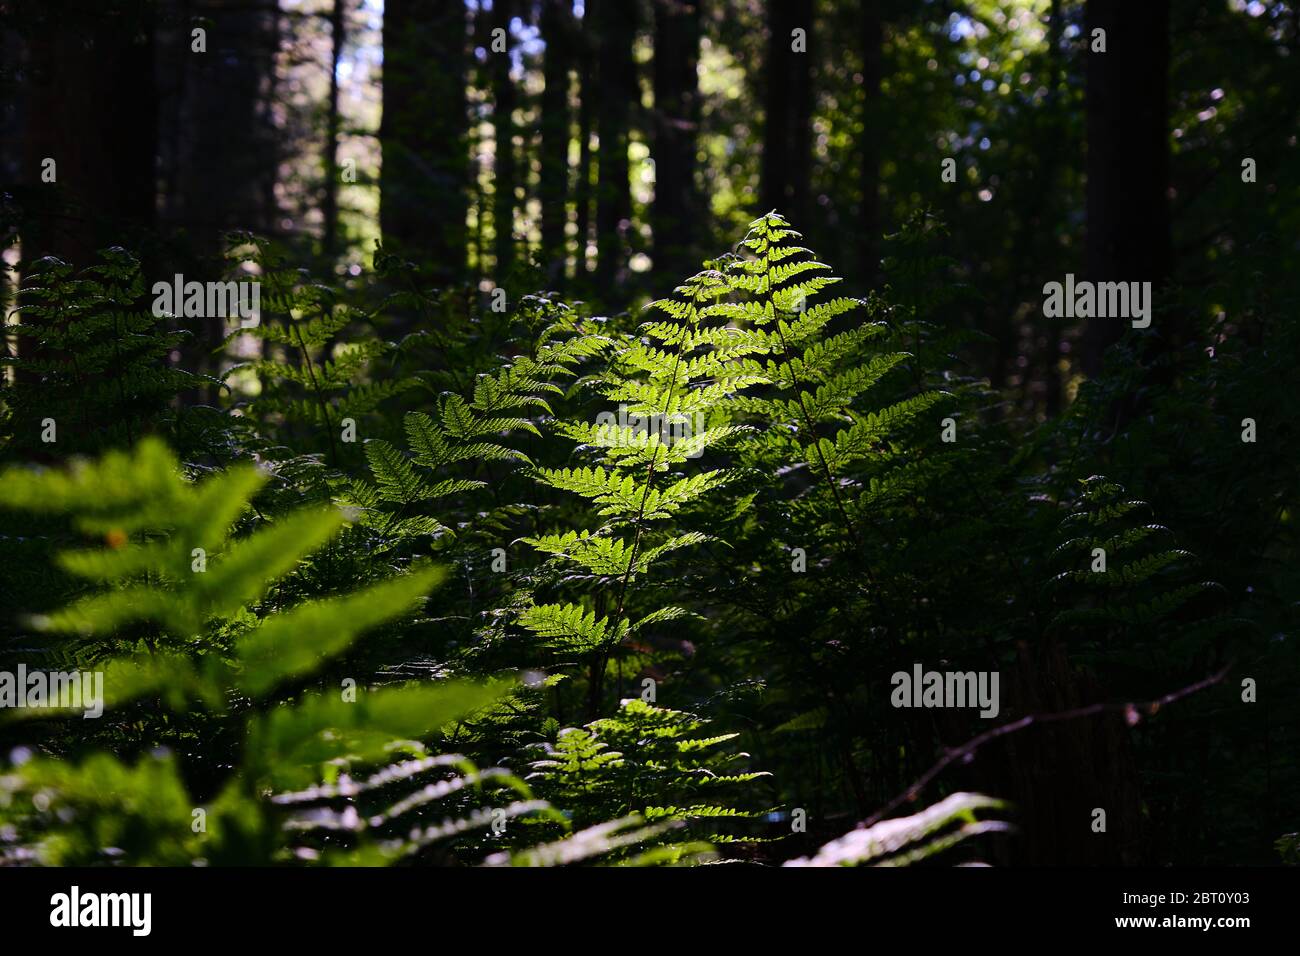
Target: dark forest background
424 154
1065 162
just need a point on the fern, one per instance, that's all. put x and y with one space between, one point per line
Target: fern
1139 585
92 365
862 529
671 376
748 500
311 377
819 381
61 807
613 765
907 840
467 435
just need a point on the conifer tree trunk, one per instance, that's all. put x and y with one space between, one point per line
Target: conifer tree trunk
330 197
586 109
615 26
220 150
553 186
1051 156
676 123
1128 155
788 98
869 225
503 126
424 135
87 166
92 109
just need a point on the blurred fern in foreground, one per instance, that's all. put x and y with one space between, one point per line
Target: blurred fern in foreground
307 751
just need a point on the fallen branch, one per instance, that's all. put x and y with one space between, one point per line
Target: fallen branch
1131 710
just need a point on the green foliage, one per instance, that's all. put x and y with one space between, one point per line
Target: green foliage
88 356
648 760
819 380
758 499
1136 588
671 385
1288 848
106 810
1230 503
470 434
311 379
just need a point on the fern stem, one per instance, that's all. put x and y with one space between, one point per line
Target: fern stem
320 397
639 522
812 431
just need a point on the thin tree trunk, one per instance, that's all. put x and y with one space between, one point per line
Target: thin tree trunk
587 97
1049 155
869 224
787 127
330 197
424 184
1128 156
616 29
676 124
503 170
553 186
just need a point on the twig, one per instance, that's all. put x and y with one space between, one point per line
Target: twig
968 748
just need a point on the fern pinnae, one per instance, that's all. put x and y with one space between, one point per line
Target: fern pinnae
769 235
657 378
638 522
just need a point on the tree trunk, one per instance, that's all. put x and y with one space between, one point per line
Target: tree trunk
1128 156
81 64
787 128
676 124
221 152
503 132
553 186
1050 154
92 108
869 224
221 156
330 197
424 135
587 98
615 24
